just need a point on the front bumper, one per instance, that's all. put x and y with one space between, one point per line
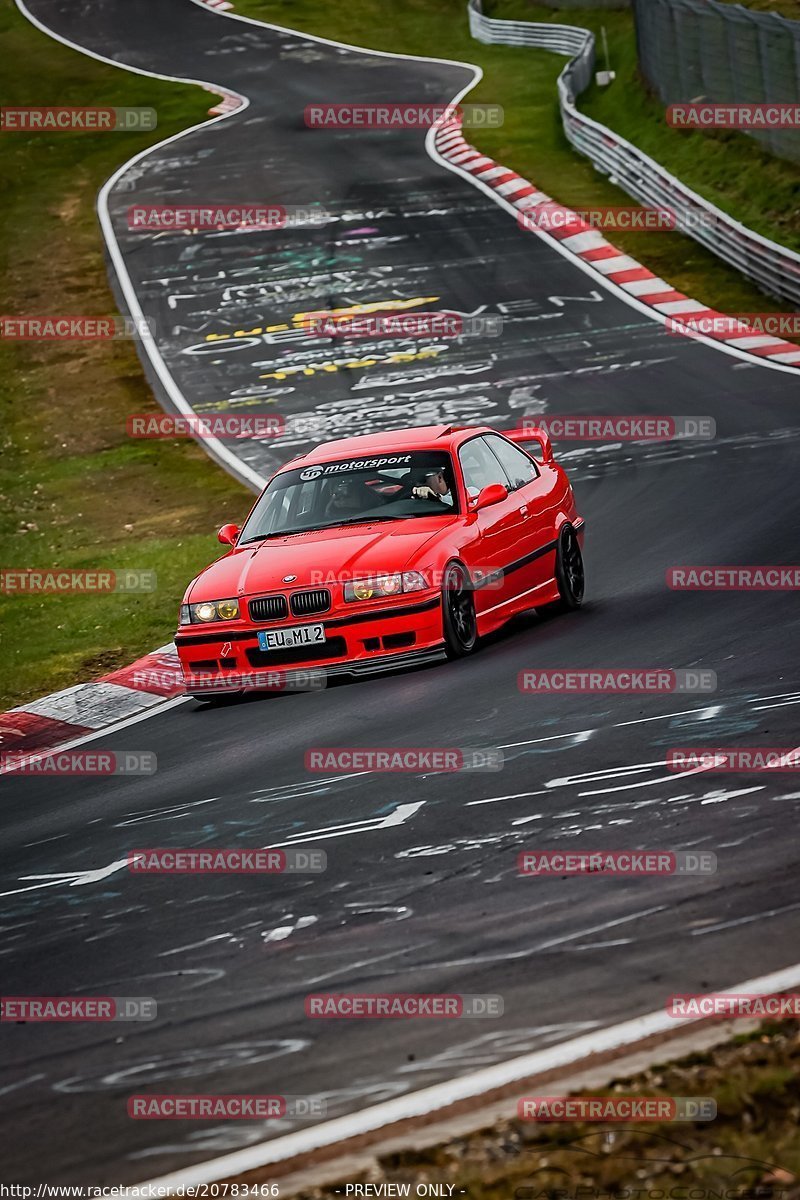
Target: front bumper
365 641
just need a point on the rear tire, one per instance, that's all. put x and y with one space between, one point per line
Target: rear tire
570 575
458 611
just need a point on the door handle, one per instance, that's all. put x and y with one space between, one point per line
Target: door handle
524 510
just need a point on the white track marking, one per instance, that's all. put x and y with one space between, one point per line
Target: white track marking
20 1083
617 772
442 1095
784 703
73 878
497 799
702 714
748 920
400 815
582 735
551 943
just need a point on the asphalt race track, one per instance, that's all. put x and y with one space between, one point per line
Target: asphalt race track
421 893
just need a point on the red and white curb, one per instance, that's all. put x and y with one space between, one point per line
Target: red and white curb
219 5
588 244
230 100
88 708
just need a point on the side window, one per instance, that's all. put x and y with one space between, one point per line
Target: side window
480 467
518 466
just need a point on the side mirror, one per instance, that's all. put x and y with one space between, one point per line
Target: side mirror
493 493
228 535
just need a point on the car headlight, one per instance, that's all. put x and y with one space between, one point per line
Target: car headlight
385 585
414 581
212 610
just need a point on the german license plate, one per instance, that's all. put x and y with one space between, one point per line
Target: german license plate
295 635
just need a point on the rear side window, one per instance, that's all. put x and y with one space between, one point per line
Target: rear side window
519 468
480 466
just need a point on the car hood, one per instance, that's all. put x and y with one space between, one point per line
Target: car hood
319 558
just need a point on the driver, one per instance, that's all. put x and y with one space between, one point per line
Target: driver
346 498
434 486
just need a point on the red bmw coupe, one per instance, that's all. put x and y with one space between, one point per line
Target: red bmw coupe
381 551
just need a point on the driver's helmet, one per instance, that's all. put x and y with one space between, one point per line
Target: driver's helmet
346 495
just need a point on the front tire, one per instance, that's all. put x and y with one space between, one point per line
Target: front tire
458 612
570 575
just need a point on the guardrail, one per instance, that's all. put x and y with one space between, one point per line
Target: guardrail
774 268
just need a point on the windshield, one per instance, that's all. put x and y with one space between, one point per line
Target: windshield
390 487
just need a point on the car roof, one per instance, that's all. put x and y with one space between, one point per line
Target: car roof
418 437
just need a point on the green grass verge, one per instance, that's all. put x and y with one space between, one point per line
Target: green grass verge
75 491
531 140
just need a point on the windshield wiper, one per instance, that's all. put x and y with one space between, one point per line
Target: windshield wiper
264 537
366 520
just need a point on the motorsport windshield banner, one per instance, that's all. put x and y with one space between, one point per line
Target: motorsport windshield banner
356 464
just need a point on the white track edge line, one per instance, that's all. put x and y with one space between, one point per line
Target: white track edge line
442 1095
